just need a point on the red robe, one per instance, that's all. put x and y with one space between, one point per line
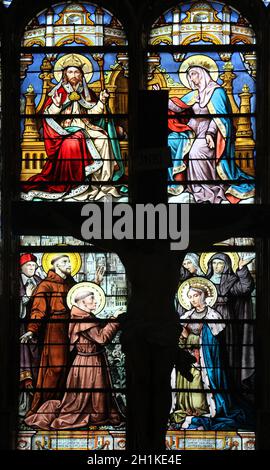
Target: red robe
177 123
67 157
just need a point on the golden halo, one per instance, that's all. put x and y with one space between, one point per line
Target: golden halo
198 60
197 281
205 257
75 261
98 291
73 60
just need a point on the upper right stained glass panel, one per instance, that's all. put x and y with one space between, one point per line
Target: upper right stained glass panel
201 23
212 101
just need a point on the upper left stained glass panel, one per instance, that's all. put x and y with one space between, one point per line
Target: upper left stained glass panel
74 105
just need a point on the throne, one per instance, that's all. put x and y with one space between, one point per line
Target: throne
33 149
202 23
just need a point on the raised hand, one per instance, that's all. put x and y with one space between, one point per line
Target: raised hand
57 99
244 262
119 312
156 86
99 274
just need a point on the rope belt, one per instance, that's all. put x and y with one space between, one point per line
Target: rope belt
80 353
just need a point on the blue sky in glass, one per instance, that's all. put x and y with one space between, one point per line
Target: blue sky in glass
266 2
33 72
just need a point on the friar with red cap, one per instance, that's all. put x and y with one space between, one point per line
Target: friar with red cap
29 353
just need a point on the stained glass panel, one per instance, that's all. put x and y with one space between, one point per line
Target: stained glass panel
81 157
45 240
237 241
74 24
212 101
72 378
201 23
213 406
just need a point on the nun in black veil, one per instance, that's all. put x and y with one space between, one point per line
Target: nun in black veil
234 303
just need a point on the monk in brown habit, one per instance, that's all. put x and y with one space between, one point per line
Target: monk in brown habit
51 315
89 371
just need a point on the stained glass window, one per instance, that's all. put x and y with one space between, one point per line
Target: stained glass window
6 3
65 300
203 54
74 63
237 241
44 240
213 405
72 379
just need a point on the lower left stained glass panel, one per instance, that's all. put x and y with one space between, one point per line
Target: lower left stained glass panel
72 376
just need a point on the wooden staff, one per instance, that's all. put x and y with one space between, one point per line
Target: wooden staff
100 60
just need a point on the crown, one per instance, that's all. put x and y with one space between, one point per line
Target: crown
203 64
72 61
202 286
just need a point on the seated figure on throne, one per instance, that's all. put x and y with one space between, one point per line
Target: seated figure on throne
79 151
202 142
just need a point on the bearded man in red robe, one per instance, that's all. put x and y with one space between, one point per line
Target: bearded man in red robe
77 150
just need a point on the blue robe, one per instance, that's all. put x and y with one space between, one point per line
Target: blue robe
229 414
180 144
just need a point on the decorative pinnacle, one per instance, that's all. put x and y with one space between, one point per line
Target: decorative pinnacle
30 89
245 88
228 66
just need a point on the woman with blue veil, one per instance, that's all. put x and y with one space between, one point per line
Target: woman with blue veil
202 146
205 402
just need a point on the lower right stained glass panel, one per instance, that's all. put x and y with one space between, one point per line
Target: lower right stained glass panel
213 405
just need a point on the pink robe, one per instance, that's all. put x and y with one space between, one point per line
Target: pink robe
90 370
